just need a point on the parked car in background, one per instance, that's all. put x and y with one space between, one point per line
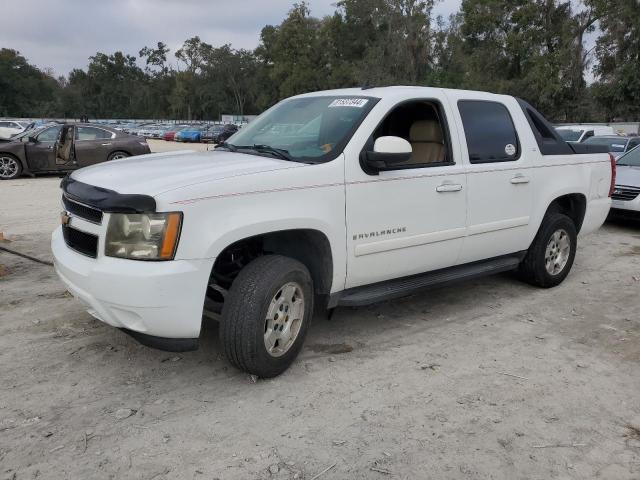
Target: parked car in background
10 128
65 147
626 193
138 128
153 130
218 133
579 133
616 144
192 134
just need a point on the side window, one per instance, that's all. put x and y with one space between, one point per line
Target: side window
633 144
4 124
91 133
588 134
422 124
49 135
489 130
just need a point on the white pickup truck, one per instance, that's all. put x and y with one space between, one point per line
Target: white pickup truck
335 198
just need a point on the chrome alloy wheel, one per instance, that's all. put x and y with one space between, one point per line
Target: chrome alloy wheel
284 319
557 252
118 156
8 167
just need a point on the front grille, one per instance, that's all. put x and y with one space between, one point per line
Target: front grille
81 242
625 193
91 214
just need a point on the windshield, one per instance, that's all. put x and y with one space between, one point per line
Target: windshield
631 159
309 129
569 135
613 144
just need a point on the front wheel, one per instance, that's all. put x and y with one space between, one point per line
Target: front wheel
10 167
550 257
266 315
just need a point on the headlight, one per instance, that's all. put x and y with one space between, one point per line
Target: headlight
147 236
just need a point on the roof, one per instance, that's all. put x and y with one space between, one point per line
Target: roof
394 91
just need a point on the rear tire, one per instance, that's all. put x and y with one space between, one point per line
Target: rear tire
266 315
10 167
551 255
117 156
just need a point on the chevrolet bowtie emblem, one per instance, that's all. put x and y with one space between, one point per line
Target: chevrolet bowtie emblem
65 219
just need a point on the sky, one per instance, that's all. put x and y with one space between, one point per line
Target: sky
62 34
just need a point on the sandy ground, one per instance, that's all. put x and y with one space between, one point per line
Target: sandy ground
491 379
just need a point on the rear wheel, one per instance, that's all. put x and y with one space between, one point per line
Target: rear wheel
550 257
266 315
10 167
117 156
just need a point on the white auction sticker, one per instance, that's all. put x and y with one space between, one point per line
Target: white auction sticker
349 102
510 149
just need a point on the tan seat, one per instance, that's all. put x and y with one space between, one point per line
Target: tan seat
427 142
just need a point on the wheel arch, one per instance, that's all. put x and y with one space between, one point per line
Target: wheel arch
573 205
309 246
117 150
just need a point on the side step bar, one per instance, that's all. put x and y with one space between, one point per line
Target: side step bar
401 287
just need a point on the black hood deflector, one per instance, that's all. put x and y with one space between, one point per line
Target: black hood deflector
105 199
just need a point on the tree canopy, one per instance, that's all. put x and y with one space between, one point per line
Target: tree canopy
534 49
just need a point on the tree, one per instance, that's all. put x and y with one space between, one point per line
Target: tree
618 54
25 90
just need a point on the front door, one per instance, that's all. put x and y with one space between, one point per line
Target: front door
499 176
409 219
41 155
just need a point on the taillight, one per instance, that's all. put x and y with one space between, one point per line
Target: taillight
613 174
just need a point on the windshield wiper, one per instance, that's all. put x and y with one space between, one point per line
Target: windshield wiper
228 146
278 152
261 148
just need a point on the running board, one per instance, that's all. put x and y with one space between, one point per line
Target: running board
401 287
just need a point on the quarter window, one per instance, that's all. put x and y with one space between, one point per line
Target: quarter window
489 130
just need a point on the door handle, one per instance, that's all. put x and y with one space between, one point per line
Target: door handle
519 179
105 144
449 187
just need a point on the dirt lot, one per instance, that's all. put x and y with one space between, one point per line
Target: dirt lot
486 380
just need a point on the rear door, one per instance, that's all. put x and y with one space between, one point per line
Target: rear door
93 145
499 175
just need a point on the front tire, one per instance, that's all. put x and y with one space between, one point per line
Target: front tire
266 315
551 255
10 167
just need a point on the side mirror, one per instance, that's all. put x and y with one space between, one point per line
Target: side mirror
388 151
32 140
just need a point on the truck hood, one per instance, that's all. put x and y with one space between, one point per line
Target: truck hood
629 176
157 173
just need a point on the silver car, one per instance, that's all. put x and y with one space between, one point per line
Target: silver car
626 193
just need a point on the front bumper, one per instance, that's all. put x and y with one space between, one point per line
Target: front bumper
628 206
156 299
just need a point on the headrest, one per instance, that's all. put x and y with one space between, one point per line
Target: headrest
426 131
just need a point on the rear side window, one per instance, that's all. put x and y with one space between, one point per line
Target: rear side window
489 130
90 133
